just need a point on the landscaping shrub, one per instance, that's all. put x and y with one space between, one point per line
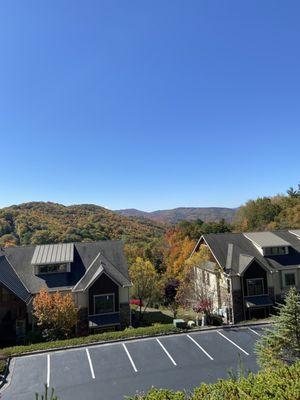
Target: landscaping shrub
214 319
136 302
157 329
48 395
2 366
276 384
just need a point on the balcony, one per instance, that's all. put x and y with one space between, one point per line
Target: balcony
107 319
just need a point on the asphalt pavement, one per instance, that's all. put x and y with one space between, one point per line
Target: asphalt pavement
112 371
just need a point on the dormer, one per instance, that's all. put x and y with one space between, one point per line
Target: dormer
268 244
53 258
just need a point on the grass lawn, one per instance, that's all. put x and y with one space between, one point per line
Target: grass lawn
164 315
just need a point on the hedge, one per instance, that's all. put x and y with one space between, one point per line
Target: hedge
158 329
282 383
2 366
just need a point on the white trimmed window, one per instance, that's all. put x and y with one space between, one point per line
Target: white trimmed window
289 279
52 268
104 303
255 286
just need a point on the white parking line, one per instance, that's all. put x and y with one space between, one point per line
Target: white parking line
225 337
90 362
200 347
48 370
252 330
166 351
130 359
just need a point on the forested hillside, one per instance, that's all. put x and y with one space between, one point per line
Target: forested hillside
205 214
39 222
270 213
166 246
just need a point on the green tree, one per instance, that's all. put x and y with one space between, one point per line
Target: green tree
257 214
171 287
145 280
294 192
281 343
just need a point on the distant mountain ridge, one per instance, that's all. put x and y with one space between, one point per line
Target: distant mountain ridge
206 214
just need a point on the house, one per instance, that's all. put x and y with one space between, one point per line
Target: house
247 273
95 273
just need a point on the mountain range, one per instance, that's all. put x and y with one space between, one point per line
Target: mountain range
206 214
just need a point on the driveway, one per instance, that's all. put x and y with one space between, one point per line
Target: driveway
112 371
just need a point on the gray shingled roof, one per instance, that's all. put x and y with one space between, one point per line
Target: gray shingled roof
84 253
98 266
242 250
11 281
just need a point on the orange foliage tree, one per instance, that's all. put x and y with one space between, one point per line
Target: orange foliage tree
178 250
56 314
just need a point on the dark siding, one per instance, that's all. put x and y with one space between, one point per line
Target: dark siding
255 271
11 309
103 285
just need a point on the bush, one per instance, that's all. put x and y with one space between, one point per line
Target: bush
276 384
2 366
136 302
157 329
214 319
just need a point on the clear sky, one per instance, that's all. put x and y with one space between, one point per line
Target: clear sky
149 104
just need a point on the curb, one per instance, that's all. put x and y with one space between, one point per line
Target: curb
99 343
3 380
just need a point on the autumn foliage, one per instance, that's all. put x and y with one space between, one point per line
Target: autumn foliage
56 314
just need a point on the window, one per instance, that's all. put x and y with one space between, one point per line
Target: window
290 279
207 279
104 303
228 286
255 286
5 296
275 251
50 268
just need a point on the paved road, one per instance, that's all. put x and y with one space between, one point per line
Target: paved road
111 371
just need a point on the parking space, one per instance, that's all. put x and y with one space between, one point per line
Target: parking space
63 368
184 350
29 376
149 356
110 362
176 361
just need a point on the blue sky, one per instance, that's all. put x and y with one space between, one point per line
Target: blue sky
149 104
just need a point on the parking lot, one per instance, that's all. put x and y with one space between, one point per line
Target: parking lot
112 371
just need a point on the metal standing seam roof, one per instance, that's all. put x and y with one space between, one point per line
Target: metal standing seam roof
53 253
295 232
266 239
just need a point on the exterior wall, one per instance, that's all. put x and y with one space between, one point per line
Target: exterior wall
12 313
255 271
124 295
237 299
81 299
103 285
125 312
